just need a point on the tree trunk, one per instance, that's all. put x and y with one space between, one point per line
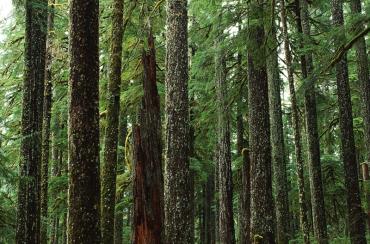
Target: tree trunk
364 78
108 185
84 183
242 147
314 164
277 142
177 173
118 219
148 179
262 213
355 214
296 127
28 214
46 127
225 187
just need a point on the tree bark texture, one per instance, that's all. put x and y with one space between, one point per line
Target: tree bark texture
296 127
118 218
363 76
148 179
177 173
242 147
108 185
45 155
355 214
84 182
225 187
314 164
262 213
28 214
277 142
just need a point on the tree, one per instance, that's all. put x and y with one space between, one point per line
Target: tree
314 164
363 77
108 185
262 214
29 192
45 154
148 179
277 142
296 126
355 214
177 173
226 222
84 182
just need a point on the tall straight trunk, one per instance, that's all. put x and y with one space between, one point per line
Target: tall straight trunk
209 213
314 164
84 182
296 126
118 218
277 142
28 214
108 185
242 146
355 214
45 154
364 78
177 173
225 185
148 179
217 202
262 212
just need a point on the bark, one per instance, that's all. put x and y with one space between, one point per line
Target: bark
84 182
177 173
244 195
355 214
111 133
225 187
45 154
118 219
148 179
296 127
363 76
28 214
210 213
217 202
277 142
262 213
314 164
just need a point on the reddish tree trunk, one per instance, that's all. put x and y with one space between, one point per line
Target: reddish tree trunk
148 180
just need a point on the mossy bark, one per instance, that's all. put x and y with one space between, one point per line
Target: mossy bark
108 185
177 173
277 142
46 127
29 189
313 141
363 76
296 127
356 225
84 182
225 185
262 211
